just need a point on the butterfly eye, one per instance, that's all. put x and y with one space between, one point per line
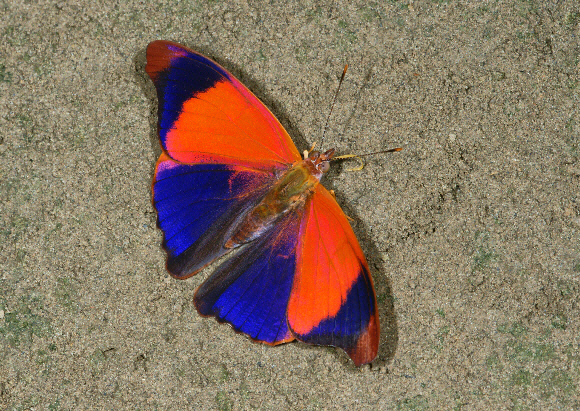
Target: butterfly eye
314 155
324 166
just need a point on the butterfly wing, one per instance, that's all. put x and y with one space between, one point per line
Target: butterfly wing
198 206
207 116
222 149
333 298
251 290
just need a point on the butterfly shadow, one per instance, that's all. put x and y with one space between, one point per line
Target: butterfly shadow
148 89
385 300
389 337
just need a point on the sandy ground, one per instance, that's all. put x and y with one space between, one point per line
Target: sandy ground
472 232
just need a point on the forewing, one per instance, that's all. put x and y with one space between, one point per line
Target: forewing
333 299
207 116
199 205
250 291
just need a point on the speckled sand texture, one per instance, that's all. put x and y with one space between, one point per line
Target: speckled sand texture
472 232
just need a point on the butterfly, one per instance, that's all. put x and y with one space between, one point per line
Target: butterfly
230 180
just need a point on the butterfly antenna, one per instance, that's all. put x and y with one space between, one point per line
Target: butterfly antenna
361 162
333 103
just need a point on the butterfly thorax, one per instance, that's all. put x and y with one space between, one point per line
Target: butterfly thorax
289 192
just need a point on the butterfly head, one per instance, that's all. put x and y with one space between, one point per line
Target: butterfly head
321 161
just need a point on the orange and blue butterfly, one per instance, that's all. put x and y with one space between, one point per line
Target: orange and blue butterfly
230 177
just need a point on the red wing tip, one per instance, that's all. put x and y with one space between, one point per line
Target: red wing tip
159 56
157 45
367 346
362 358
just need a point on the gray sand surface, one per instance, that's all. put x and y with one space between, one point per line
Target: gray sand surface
472 232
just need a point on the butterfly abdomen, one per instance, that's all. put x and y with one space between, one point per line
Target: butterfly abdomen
290 192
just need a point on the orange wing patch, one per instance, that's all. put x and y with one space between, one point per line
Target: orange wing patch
333 299
219 122
329 260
